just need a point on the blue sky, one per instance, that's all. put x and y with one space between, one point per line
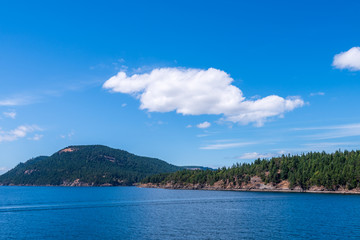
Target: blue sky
202 83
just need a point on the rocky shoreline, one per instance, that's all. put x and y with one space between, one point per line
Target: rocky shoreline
75 183
254 185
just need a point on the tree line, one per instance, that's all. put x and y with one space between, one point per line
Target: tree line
331 170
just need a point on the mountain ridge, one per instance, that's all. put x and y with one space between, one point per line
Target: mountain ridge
86 165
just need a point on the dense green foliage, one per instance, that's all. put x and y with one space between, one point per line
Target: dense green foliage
94 164
339 169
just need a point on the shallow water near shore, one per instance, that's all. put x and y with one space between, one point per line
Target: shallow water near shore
146 213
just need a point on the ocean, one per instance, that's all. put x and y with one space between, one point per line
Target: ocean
145 213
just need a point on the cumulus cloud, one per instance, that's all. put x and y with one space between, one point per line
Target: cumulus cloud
348 60
196 91
19 132
203 125
10 114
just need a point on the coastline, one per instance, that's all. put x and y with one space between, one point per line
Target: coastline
204 188
253 186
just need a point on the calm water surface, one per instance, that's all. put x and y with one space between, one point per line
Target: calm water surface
136 213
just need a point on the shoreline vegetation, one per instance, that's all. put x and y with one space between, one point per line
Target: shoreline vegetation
96 165
313 172
221 187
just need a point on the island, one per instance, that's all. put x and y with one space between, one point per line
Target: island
86 165
98 165
316 172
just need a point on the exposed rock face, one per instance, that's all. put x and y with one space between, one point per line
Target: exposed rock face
29 171
78 183
69 149
255 184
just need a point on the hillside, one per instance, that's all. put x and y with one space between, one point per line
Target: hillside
92 165
314 171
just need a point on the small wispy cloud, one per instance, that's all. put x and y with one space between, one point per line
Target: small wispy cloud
320 146
17 133
16 101
69 135
336 134
11 114
203 125
219 146
202 135
348 60
343 126
255 155
207 133
333 131
36 137
317 94
3 169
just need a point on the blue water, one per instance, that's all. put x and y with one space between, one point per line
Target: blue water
137 213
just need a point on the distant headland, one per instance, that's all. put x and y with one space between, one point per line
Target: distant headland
315 172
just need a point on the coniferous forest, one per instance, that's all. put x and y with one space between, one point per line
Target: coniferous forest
339 169
96 165
91 165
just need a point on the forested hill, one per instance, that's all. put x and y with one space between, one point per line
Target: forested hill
311 171
91 165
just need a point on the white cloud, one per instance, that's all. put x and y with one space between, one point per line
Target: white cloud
321 146
10 102
202 135
16 101
19 132
203 125
3 169
195 92
255 155
348 60
36 137
317 94
69 135
72 133
331 127
334 131
219 146
123 105
10 114
189 126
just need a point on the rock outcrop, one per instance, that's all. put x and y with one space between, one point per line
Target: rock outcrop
255 184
